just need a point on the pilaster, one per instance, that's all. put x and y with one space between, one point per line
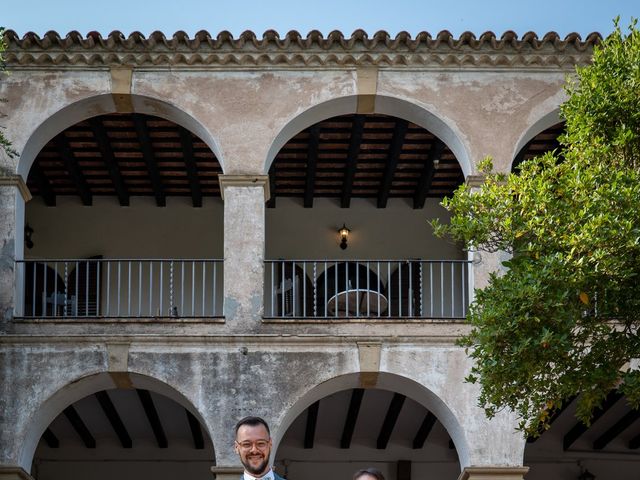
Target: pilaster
244 199
12 472
226 472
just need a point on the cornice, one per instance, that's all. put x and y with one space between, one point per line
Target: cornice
293 50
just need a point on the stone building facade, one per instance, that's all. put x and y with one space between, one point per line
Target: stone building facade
245 99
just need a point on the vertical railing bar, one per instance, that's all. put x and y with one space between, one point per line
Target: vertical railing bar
369 290
140 267
119 291
55 291
86 290
347 283
464 289
108 301
410 312
150 312
378 274
293 288
274 295
193 288
325 289
400 288
282 278
74 310
453 291
213 288
161 285
335 288
98 273
441 289
171 304
357 299
33 296
44 297
129 288
304 289
390 286
315 290
182 287
204 286
431 289
421 311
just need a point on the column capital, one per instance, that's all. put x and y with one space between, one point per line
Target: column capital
244 181
475 181
18 182
221 472
13 472
493 473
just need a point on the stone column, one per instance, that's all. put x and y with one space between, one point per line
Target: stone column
226 473
493 473
13 194
11 472
483 264
244 199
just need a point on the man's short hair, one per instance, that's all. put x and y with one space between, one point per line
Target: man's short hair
252 422
374 472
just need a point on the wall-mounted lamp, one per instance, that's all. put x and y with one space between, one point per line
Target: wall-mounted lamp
344 234
28 231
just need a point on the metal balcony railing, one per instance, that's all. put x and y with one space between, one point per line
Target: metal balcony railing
121 288
367 289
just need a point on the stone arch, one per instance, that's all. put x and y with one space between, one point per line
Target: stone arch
385 381
386 105
547 120
77 389
101 105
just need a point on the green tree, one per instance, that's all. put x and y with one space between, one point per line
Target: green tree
5 144
563 318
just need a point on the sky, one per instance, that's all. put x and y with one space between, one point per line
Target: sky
413 16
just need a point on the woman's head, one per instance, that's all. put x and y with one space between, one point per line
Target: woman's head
368 474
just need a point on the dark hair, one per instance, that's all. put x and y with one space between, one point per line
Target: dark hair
374 472
252 422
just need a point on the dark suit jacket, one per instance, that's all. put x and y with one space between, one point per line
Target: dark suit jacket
276 476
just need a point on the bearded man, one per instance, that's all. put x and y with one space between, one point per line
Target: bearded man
253 445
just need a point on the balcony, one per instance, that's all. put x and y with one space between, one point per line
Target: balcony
122 288
371 289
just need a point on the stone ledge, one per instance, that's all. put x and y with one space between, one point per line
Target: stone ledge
18 182
493 473
12 472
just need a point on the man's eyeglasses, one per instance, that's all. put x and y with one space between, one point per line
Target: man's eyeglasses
259 444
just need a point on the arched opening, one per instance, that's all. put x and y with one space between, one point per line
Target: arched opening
143 428
543 142
607 449
397 427
127 212
383 177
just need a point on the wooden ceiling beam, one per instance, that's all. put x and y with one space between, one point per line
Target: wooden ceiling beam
153 418
579 428
390 420
352 417
312 421
620 426
553 418
44 187
112 415
150 159
423 432
51 439
72 167
352 159
80 427
428 172
196 430
109 159
312 163
186 139
395 149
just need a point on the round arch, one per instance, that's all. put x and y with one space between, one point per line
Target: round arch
547 120
385 105
80 388
386 381
102 105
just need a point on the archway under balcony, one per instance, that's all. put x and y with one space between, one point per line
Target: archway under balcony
125 425
382 177
125 186
398 426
